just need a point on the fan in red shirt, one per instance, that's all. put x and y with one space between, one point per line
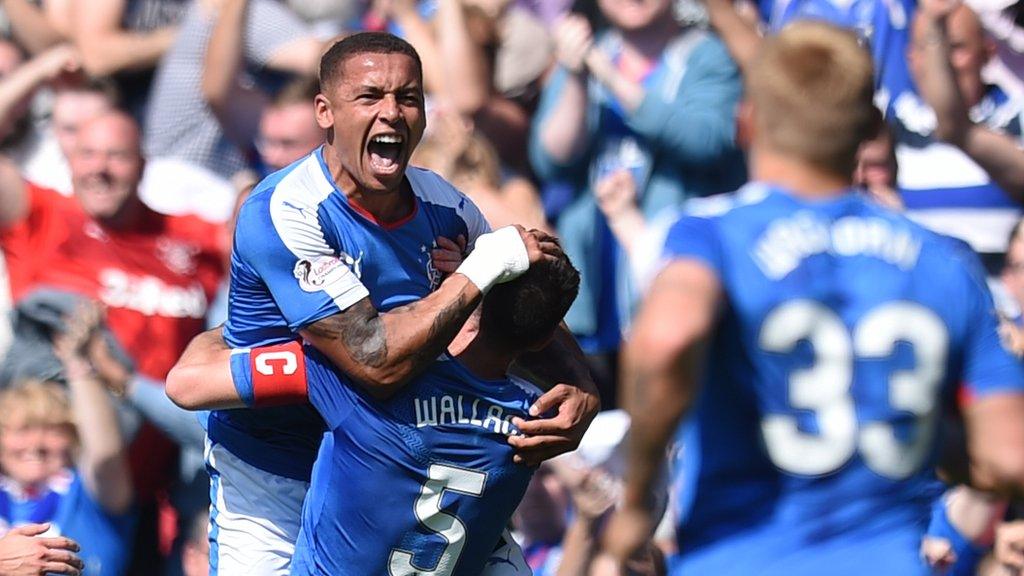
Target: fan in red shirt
156 274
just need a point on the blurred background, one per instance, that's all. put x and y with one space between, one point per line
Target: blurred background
594 119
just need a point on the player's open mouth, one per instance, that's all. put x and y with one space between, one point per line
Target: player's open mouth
386 153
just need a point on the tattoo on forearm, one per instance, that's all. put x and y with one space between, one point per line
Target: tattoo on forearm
447 323
361 331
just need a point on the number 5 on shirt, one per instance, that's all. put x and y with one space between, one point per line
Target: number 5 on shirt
428 511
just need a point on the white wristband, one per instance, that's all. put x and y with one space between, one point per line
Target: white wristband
497 257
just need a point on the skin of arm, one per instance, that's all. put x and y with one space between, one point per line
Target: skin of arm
102 461
467 80
13 197
18 86
741 39
563 132
418 32
236 108
201 379
382 351
30 26
995 443
106 47
998 154
660 379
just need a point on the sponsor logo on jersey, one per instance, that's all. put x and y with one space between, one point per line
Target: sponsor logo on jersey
314 274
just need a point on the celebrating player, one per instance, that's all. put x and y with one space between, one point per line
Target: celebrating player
375 506
829 331
321 249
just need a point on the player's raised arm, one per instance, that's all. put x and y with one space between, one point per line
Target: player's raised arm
661 370
382 351
994 378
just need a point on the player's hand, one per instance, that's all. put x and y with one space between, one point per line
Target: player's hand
1009 547
447 254
574 408
539 244
24 553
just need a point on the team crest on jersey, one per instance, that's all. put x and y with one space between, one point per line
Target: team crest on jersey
314 274
434 275
179 257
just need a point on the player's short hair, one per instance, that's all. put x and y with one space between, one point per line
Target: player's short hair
299 91
812 87
524 313
362 43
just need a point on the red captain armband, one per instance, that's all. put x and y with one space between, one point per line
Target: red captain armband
278 375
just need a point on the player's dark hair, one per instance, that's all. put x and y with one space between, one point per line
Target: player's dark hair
362 43
524 313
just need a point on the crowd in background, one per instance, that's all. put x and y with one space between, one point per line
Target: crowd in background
130 130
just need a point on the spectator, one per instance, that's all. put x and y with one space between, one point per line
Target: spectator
20 83
649 97
540 521
1001 20
877 171
155 273
126 39
87 498
593 494
467 160
288 128
881 24
966 191
495 55
202 122
1012 280
75 102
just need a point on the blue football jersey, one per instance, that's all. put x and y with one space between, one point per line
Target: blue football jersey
302 253
421 483
846 327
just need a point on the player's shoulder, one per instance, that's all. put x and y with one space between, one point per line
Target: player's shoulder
729 205
430 187
708 213
286 199
301 183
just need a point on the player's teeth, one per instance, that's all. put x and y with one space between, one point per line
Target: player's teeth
388 139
